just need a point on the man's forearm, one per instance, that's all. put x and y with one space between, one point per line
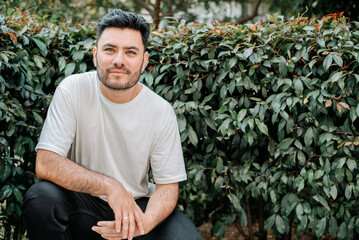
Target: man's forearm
53 167
162 203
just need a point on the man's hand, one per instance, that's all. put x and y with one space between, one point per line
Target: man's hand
128 215
107 229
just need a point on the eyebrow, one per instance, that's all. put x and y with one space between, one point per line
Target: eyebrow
114 46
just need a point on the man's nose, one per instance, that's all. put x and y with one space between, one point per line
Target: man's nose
118 60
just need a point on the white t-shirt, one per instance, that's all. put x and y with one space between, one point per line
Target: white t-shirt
121 141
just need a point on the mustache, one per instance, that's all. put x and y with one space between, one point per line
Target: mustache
124 69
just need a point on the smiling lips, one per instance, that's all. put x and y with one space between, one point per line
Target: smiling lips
118 70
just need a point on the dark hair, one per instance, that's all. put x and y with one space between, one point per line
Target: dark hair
121 19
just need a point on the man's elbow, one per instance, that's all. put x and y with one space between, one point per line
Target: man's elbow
40 165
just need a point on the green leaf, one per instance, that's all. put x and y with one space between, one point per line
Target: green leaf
320 199
338 60
39 60
62 63
321 42
352 165
348 191
242 113
248 52
333 226
335 77
334 192
342 231
232 62
38 118
192 135
41 45
207 98
319 231
235 201
284 145
181 120
299 211
83 67
218 229
327 62
280 224
270 222
78 56
70 68
262 127
18 195
5 192
309 136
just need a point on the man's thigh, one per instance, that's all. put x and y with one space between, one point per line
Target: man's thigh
52 212
176 227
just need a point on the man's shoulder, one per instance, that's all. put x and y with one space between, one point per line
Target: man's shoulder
79 80
158 105
155 98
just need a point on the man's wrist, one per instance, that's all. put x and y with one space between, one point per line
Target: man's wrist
151 222
109 184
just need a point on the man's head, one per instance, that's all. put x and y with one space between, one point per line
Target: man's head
120 53
121 19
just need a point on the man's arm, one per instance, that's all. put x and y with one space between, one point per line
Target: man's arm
53 167
160 206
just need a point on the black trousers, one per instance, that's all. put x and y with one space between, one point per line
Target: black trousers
52 212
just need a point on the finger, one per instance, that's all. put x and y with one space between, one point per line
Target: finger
132 226
118 222
111 236
105 227
107 224
138 219
104 230
125 222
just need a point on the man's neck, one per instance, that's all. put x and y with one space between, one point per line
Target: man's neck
120 96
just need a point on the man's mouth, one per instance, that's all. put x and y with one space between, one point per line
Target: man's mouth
118 70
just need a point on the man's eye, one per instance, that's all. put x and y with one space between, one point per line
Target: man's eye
131 53
109 50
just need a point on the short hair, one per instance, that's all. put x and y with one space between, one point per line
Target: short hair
122 19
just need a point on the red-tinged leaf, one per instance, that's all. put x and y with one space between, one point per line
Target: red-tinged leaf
339 108
345 105
328 103
12 36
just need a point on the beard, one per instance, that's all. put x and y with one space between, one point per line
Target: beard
115 82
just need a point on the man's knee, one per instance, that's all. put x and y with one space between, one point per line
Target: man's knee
41 197
179 227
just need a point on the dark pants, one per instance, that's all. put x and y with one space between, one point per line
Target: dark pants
52 212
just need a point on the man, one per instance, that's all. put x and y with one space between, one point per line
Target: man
102 134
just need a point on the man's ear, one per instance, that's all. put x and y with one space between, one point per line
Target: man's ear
145 61
94 50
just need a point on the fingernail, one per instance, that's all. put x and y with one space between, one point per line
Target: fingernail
118 231
124 236
142 231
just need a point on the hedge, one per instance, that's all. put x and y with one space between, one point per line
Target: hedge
268 117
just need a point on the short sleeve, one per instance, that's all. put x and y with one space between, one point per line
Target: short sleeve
167 162
59 128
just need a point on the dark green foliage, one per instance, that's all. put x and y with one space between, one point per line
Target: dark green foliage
268 116
33 59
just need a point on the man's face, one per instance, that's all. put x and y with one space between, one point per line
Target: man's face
120 58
